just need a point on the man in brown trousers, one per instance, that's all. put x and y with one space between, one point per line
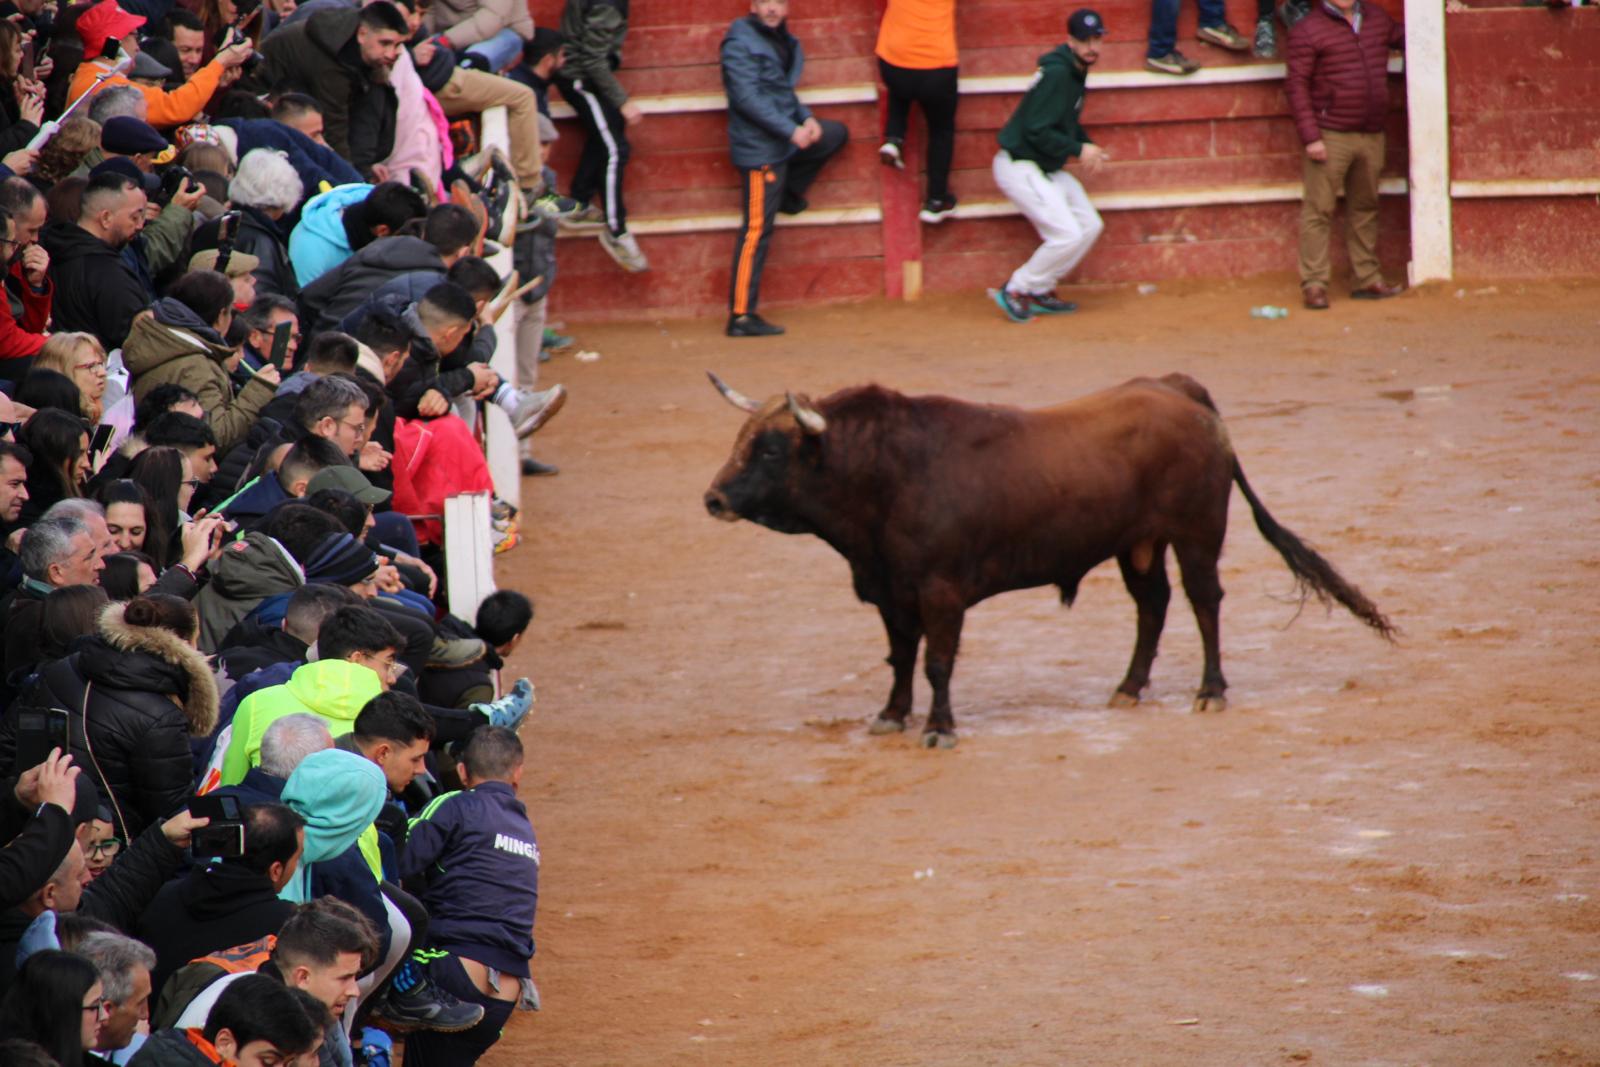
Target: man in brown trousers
1339 97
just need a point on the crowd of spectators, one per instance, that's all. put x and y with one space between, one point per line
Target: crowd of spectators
257 783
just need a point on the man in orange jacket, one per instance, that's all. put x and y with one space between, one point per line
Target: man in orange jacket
107 24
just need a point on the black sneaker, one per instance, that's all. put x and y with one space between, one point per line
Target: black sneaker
1015 306
937 209
532 468
751 325
1050 304
791 204
424 1007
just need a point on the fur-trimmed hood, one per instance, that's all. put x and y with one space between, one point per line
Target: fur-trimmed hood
187 675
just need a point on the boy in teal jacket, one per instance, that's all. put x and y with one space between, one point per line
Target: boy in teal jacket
1035 145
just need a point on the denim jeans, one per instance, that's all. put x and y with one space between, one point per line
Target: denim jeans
1164 23
501 50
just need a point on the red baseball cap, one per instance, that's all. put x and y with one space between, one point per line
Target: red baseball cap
103 21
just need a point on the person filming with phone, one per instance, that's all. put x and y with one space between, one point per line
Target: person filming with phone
136 690
109 33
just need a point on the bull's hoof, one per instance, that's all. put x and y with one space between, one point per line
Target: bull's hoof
1205 704
935 739
881 725
1119 699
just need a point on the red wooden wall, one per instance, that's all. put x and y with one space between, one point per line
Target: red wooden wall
1525 104
1175 136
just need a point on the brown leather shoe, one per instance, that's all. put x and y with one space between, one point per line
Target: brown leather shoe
1316 297
1377 291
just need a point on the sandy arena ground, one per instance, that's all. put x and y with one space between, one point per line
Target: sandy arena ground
1375 856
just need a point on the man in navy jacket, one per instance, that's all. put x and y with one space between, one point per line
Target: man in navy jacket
477 855
776 143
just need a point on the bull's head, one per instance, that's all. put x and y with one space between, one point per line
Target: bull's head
757 482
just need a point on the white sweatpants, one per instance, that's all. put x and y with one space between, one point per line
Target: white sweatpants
1059 209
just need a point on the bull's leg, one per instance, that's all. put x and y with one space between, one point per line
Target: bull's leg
905 633
942 614
1199 566
1151 592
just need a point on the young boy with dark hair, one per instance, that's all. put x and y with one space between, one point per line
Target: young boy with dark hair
473 860
502 619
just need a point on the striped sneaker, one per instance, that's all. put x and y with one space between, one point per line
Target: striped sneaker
1050 304
1014 305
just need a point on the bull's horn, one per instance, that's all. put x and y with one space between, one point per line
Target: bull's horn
809 420
733 396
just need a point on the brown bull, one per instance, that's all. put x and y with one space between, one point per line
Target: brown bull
938 504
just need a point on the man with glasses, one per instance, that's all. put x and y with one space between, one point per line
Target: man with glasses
25 311
124 965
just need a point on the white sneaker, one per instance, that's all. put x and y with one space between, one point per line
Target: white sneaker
530 409
889 155
624 248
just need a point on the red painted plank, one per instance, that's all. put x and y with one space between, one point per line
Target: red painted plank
1535 237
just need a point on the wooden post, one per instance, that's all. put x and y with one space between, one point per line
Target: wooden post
1428 120
899 193
500 440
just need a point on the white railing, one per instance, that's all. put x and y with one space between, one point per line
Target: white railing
468 531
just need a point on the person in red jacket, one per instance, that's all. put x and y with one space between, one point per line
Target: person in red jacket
1338 89
25 303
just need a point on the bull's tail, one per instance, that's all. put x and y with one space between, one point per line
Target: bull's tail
1314 576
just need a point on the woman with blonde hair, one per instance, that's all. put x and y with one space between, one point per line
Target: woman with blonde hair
80 357
63 153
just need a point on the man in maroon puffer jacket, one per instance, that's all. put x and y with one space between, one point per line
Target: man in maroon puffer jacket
1338 96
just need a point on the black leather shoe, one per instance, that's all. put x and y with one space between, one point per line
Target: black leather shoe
751 325
533 468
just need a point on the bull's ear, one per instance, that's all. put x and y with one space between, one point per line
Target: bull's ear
733 396
809 419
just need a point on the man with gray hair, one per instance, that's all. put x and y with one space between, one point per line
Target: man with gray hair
194 538
264 190
124 965
290 740
116 100
284 744
57 551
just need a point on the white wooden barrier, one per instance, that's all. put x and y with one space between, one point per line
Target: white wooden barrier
468 528
468 552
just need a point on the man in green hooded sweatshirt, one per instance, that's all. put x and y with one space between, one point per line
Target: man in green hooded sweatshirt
1035 145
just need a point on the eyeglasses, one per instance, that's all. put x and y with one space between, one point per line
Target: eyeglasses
98 1006
109 847
96 365
360 428
192 483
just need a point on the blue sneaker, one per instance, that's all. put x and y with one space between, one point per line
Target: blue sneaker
1014 305
511 709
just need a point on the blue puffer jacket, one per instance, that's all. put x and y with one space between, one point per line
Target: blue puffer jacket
763 109
319 243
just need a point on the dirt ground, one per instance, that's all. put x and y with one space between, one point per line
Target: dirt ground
1376 856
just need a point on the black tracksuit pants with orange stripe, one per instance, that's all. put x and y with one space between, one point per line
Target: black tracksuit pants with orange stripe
768 190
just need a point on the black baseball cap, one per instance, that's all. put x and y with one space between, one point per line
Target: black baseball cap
1085 23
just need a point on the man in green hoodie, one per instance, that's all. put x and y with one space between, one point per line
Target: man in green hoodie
356 650
1035 145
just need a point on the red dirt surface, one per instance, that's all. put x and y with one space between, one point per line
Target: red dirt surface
1377 855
